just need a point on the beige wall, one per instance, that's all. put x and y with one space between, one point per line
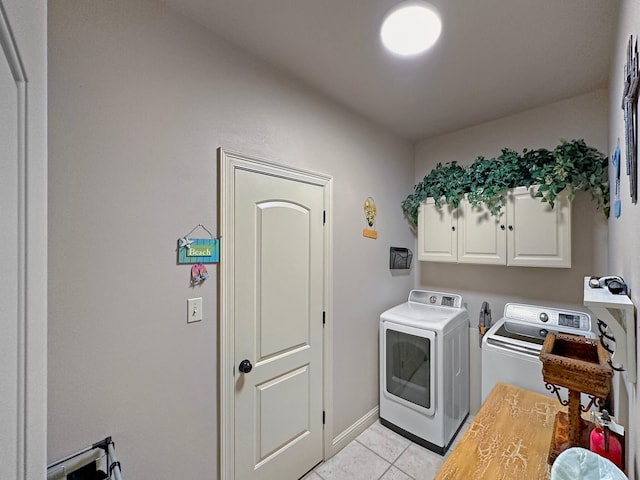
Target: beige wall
580 117
140 99
624 232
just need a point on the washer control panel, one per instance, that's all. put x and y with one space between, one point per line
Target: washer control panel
549 317
569 320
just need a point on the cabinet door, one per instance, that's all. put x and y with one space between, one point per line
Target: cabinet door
482 237
538 235
437 236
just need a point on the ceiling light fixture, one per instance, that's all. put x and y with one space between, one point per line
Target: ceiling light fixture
410 28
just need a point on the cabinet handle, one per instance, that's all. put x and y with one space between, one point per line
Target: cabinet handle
453 229
511 228
502 227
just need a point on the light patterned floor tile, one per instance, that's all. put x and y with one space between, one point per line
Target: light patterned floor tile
312 476
386 443
394 474
419 462
354 462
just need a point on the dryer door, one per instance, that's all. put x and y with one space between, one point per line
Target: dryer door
409 377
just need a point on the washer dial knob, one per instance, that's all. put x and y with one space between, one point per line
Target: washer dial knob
544 317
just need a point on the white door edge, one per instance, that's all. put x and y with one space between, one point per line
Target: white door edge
228 162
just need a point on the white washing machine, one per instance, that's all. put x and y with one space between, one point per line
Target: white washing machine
511 347
424 368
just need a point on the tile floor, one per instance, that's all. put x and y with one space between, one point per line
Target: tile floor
381 454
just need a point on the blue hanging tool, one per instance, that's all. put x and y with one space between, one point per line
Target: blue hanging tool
617 204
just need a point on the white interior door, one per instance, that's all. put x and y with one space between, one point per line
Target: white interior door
277 297
22 237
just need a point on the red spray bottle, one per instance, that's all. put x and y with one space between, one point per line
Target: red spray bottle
603 442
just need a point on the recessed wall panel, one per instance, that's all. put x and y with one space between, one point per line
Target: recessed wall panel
283 311
283 411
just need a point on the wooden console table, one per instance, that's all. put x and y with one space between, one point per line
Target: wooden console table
508 439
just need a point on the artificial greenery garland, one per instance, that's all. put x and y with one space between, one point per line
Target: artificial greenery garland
572 165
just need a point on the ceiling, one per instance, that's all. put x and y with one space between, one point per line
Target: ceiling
494 57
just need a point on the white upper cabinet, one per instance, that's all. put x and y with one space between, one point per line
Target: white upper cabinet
538 235
481 236
526 233
437 236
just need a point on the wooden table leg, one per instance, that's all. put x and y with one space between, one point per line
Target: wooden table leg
575 421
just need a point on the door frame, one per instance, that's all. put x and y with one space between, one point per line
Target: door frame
228 162
23 40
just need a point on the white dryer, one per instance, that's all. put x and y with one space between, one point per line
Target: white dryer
424 368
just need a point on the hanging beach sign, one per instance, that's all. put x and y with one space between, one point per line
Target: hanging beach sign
198 250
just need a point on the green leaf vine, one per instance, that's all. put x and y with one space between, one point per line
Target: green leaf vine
572 165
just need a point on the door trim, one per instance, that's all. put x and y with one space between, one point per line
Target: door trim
228 162
24 26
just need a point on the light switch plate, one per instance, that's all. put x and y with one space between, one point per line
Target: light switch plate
194 310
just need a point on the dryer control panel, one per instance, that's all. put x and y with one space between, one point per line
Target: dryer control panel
436 299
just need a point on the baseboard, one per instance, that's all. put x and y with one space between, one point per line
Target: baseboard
352 432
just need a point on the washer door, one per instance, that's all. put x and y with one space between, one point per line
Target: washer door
408 362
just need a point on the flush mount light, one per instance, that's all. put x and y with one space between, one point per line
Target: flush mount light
410 28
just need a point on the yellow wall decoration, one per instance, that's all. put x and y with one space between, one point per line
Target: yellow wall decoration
370 215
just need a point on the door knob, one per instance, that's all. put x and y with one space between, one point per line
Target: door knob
245 366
